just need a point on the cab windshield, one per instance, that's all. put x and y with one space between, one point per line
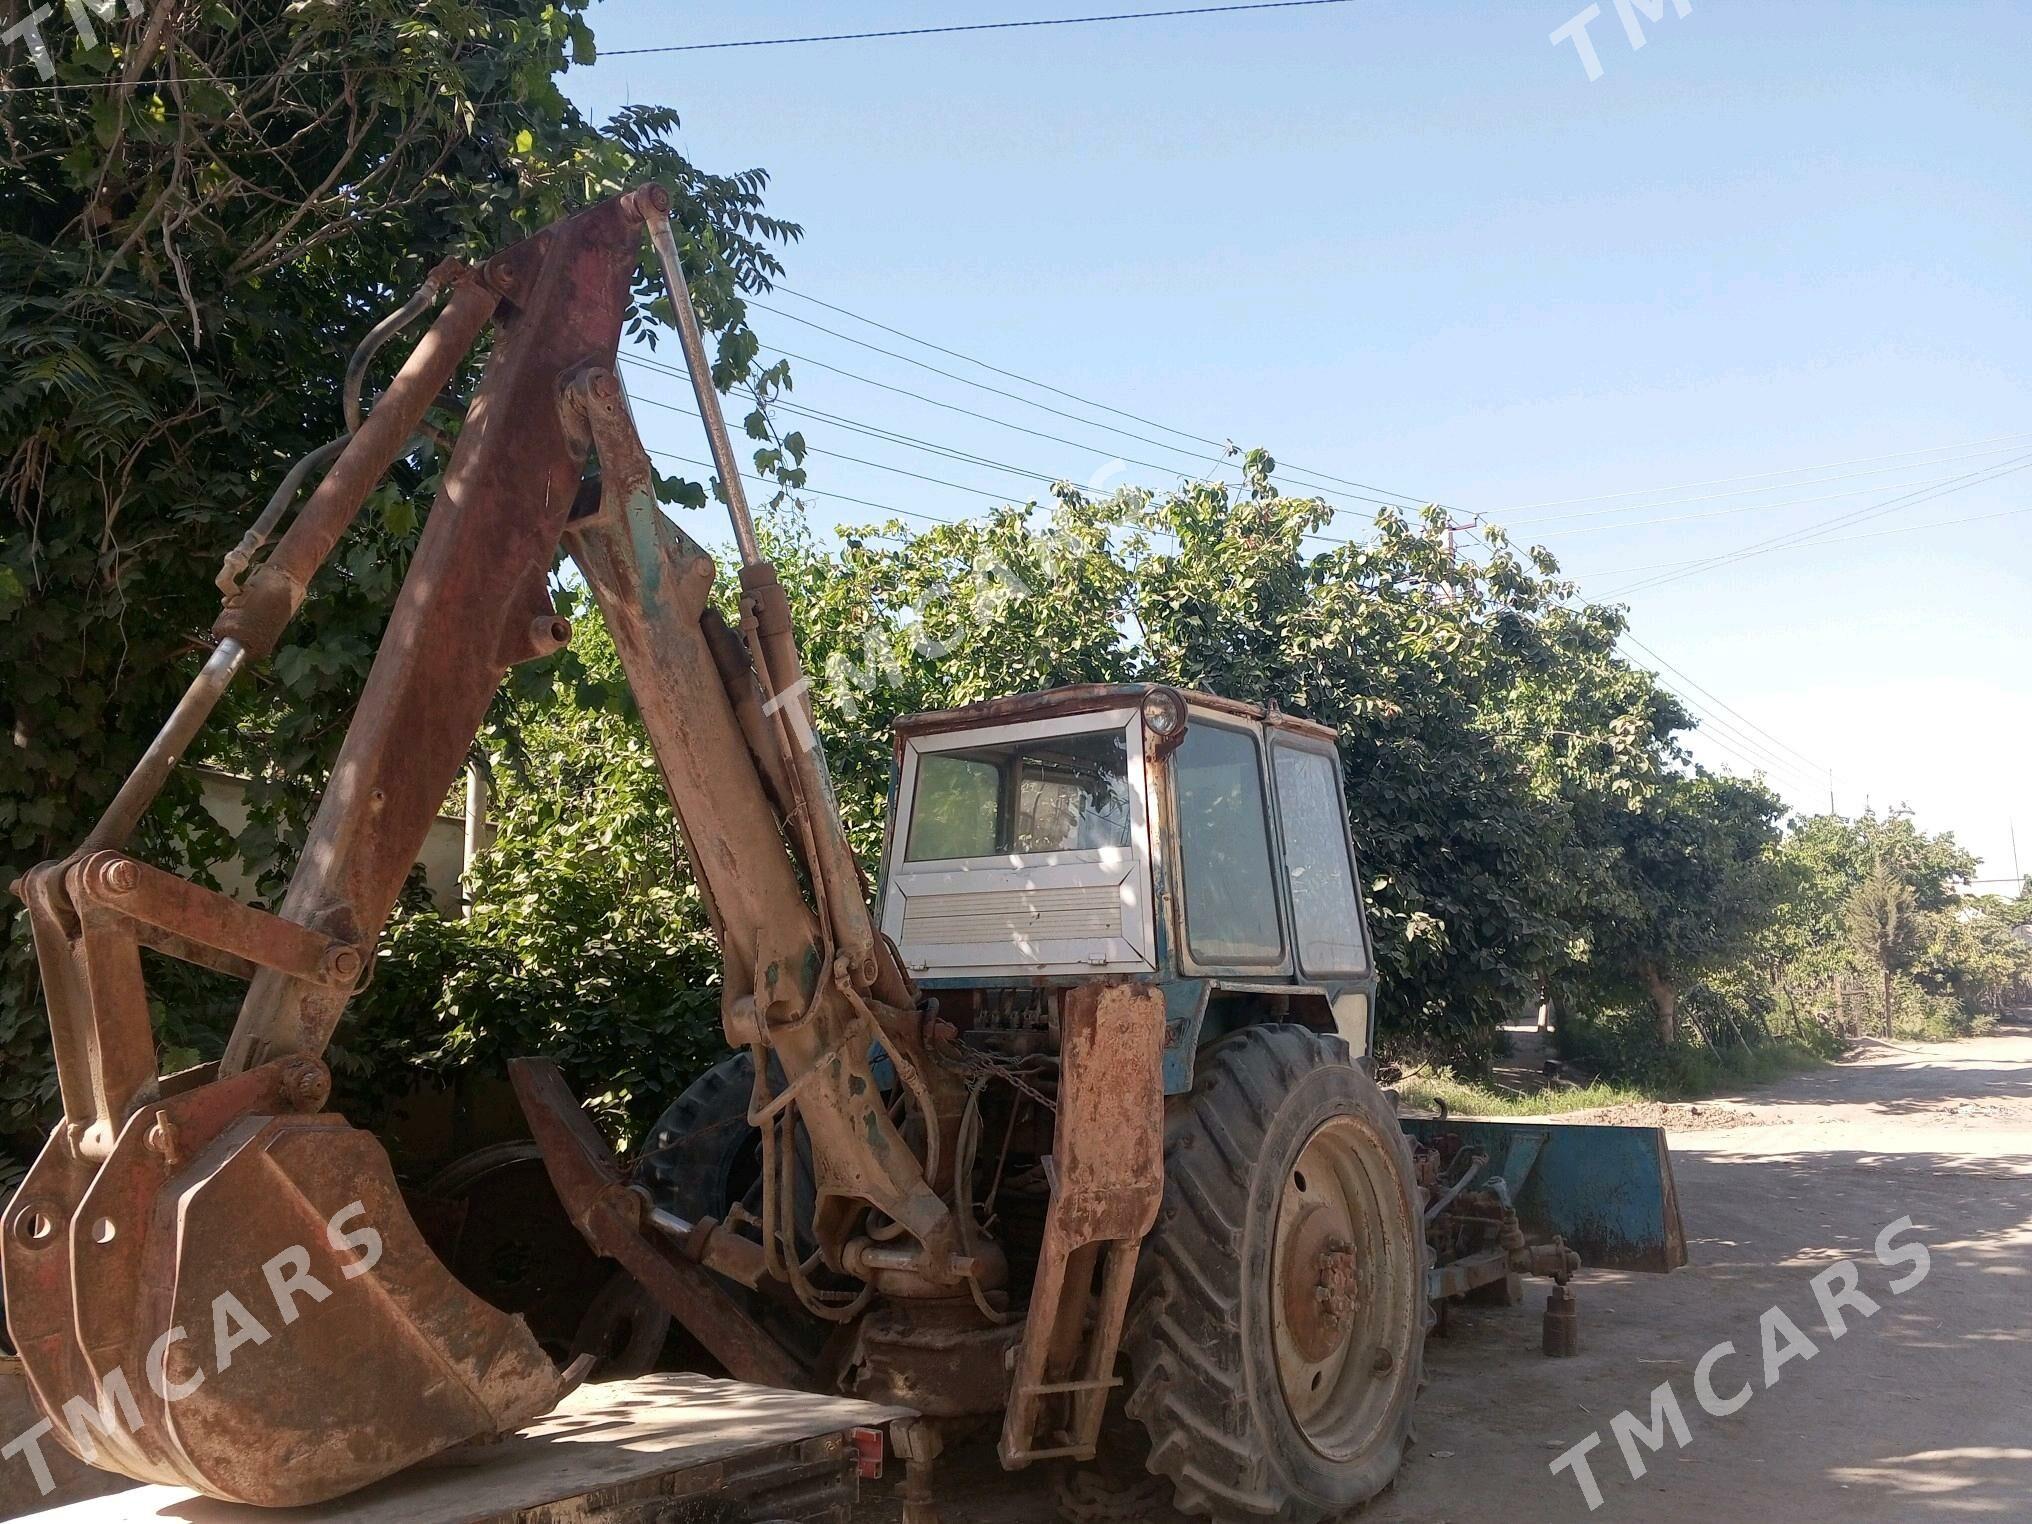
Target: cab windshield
1062 793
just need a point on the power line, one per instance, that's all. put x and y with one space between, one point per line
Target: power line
1768 755
1288 468
763 481
1733 742
1819 770
1813 531
672 407
1720 481
907 441
1736 512
1954 458
913 442
1848 539
976 26
1219 461
702 47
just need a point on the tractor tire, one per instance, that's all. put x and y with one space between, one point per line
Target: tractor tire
1278 1334
702 1157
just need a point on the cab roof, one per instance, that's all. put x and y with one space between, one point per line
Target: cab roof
1085 698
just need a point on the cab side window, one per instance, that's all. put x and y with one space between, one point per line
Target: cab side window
1224 846
1317 859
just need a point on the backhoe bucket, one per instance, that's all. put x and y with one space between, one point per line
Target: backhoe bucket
1606 1190
238 1301
212 1282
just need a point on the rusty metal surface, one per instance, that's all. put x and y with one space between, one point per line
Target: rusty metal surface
262 1395
476 587
796 981
152 1209
155 1205
938 1359
1108 1166
589 1183
397 1363
1084 698
165 902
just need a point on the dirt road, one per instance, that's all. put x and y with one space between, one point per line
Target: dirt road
1922 1411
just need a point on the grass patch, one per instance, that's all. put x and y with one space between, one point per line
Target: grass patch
1685 1074
1467 1097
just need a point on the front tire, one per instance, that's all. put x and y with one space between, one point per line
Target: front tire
1278 1335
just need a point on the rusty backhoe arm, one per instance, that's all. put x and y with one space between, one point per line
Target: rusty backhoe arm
223 1270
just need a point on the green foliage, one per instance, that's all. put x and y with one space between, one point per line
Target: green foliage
1878 917
189 255
1689 885
1873 917
1975 955
584 941
1512 781
194 239
1489 731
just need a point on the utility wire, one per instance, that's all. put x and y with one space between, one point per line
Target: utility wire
1743 492
1736 512
1768 755
763 481
1726 738
1285 467
1818 770
911 442
1812 532
1719 481
751 42
1219 462
890 436
975 26
1846 539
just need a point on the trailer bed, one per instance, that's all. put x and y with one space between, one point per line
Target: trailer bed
621 1452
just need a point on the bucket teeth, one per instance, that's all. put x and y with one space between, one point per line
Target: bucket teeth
261 1321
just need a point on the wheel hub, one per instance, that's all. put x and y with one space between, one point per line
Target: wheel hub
1319 1286
1336 1288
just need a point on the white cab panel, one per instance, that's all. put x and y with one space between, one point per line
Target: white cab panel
1079 911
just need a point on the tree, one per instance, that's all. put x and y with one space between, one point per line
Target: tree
1488 728
1976 954
1880 915
1696 883
1957 969
198 228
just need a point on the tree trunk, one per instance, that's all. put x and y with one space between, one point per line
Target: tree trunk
1664 998
1887 1000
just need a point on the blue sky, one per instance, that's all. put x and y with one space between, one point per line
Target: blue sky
1784 251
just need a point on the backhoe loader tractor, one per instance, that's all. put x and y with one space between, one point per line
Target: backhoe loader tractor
1078 1117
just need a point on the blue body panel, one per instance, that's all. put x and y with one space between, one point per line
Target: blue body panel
1607 1191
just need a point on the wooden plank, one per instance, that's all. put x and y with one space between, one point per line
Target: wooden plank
599 1437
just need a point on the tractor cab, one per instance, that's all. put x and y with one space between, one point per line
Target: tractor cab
1129 830
1202 845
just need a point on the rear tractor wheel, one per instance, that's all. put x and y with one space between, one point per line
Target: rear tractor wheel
1279 1331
